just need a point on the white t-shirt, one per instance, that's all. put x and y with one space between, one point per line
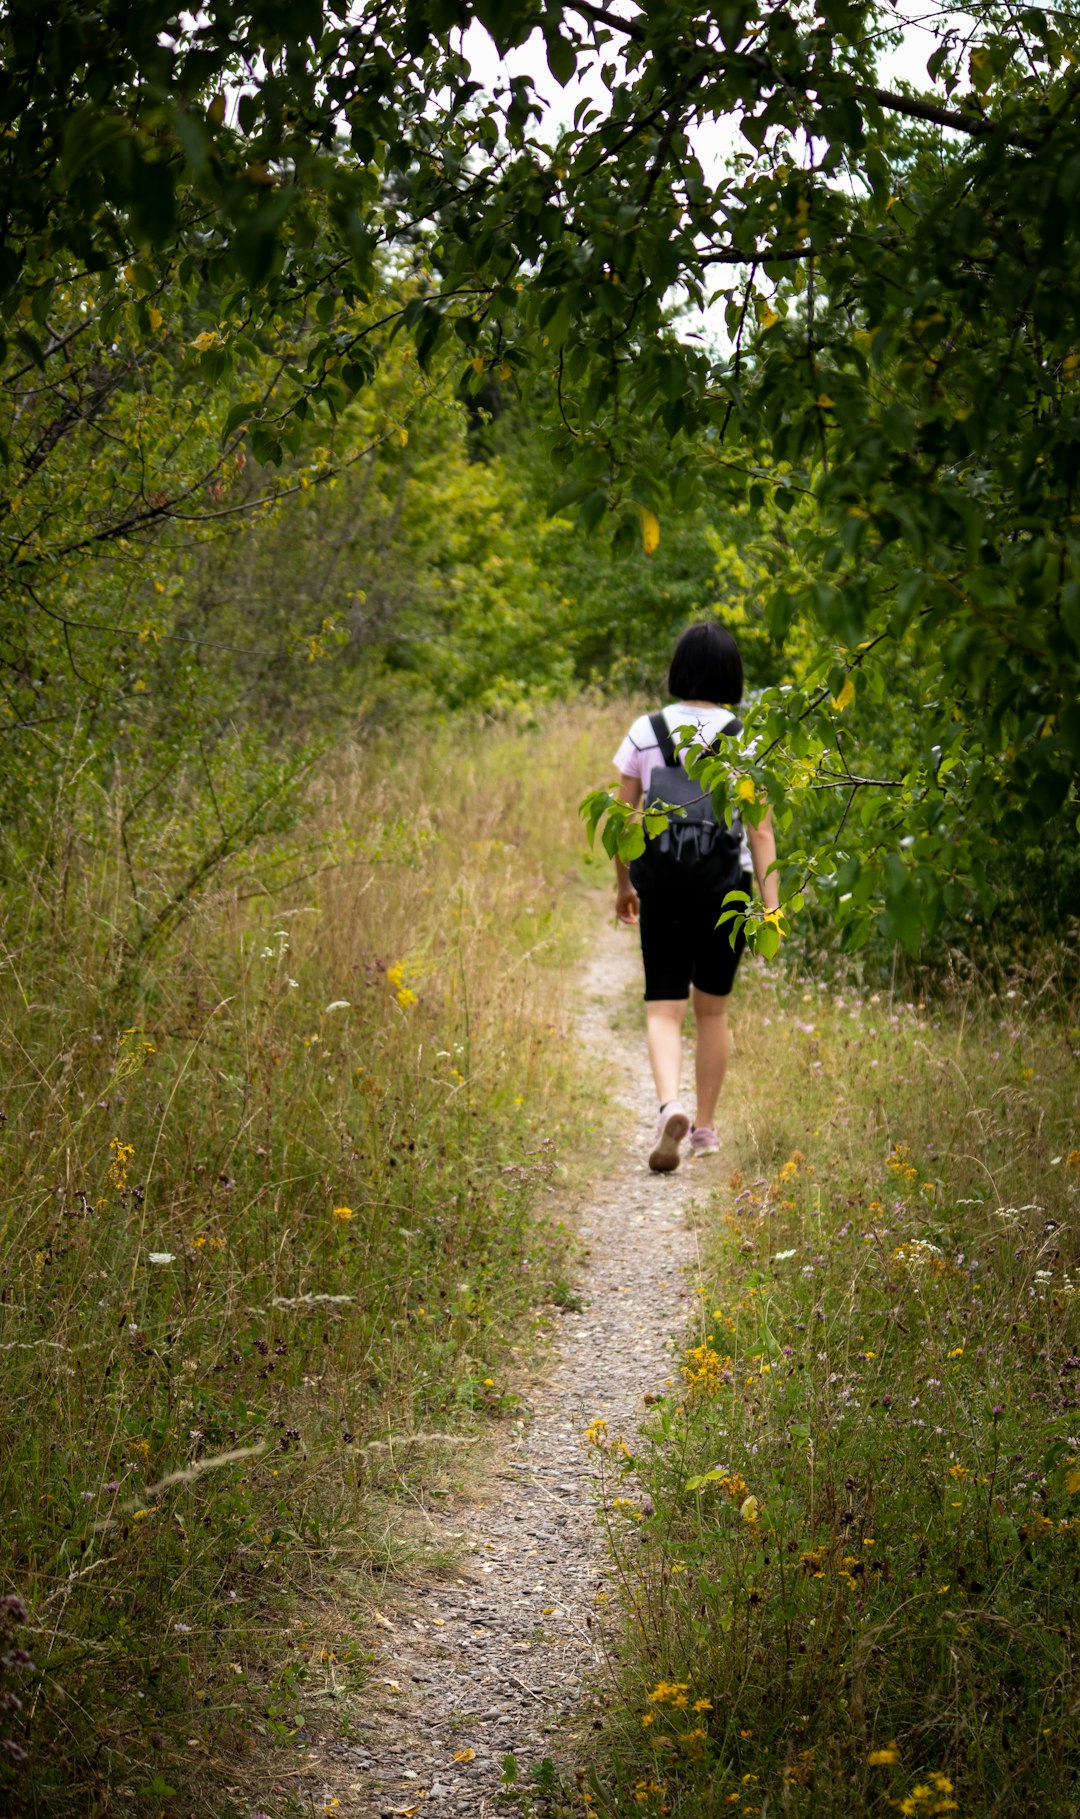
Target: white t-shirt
639 754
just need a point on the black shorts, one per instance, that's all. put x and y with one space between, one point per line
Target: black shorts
681 944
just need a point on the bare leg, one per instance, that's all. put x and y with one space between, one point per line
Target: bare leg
663 1024
711 1054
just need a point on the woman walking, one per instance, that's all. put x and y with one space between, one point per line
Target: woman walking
676 905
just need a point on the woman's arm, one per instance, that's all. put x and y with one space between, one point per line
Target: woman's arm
763 851
627 904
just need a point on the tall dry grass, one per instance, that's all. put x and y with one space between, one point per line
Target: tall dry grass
847 1546
266 1224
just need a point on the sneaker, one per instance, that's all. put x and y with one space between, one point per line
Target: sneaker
671 1127
703 1141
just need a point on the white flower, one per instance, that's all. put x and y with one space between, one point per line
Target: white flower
293 985
339 1004
782 1256
161 1257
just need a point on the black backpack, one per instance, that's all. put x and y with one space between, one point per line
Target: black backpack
694 851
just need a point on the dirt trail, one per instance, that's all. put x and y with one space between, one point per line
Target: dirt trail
501 1659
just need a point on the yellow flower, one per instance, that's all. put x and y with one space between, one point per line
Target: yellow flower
396 973
344 1213
405 997
883 1758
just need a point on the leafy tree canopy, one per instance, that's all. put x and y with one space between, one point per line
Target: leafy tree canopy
900 273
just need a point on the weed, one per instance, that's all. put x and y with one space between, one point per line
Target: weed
267 1239
848 1565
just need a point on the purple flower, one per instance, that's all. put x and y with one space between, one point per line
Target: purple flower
13 1609
998 1410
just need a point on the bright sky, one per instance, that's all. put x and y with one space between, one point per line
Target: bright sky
716 140
907 62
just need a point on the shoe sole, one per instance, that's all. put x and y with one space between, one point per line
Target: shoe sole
665 1155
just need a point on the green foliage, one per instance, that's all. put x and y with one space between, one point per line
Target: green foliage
845 1541
899 387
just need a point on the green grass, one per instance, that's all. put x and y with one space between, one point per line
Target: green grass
847 1550
254 1248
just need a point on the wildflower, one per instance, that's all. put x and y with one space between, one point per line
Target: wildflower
667 1692
596 1433
405 997
702 1705
161 1257
883 1758
344 1213
704 1371
122 1154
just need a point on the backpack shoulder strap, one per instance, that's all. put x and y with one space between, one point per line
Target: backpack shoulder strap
662 734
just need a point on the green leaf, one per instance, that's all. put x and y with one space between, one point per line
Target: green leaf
767 940
571 494
561 58
713 1477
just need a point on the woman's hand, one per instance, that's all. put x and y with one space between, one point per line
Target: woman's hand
763 850
627 905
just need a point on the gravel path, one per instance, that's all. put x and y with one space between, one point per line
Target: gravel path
505 1658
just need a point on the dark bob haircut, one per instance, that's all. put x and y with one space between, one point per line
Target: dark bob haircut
706 666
